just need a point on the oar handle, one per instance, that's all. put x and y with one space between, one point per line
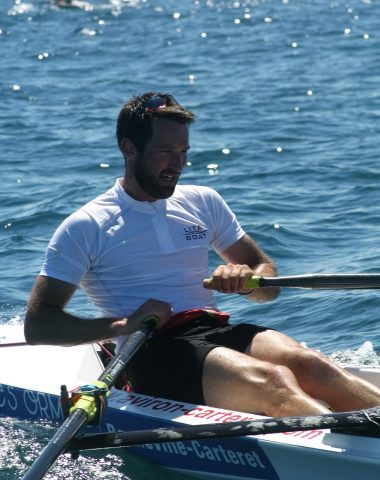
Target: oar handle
317 281
132 343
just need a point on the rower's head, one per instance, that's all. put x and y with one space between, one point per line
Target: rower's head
153 135
137 117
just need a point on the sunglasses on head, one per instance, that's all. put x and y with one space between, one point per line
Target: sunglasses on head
155 103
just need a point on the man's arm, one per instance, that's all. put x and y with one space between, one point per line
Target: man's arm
46 322
243 259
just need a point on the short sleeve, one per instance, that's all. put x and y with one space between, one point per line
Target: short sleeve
226 229
70 250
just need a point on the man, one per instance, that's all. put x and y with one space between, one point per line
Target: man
142 248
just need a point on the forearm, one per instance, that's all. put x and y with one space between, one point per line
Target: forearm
49 325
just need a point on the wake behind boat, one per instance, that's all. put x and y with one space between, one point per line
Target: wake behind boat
29 389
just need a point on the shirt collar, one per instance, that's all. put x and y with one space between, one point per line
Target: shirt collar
130 203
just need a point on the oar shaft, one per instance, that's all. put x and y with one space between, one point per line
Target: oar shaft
361 418
56 445
319 281
79 418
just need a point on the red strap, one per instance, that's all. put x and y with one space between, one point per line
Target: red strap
187 316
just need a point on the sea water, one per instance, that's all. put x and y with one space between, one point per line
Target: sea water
287 100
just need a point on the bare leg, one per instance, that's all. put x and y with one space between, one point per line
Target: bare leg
316 374
234 380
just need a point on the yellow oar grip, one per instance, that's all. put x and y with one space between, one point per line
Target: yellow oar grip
253 282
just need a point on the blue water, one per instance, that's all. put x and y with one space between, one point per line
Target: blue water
288 104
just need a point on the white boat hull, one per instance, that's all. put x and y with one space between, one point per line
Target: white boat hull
29 389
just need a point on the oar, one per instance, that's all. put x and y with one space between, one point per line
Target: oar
318 281
369 418
87 409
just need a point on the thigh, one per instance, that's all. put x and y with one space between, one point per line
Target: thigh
314 371
273 346
236 381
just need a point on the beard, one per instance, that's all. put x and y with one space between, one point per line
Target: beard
149 183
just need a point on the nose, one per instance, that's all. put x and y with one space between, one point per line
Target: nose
178 160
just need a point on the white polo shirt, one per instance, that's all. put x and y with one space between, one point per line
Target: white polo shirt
122 251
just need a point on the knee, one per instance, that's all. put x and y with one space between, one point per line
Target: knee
280 377
269 377
278 386
309 362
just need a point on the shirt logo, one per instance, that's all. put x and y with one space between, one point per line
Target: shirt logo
195 232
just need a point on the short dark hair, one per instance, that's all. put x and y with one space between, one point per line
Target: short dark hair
135 121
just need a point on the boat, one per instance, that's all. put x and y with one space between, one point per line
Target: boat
30 389
72 4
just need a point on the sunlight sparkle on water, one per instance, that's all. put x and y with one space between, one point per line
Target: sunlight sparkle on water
20 8
22 441
43 56
213 168
88 31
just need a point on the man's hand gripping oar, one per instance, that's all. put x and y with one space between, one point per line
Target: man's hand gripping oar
86 409
330 281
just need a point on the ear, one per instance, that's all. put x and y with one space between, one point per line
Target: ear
129 149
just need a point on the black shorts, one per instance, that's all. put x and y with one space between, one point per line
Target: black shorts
170 364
